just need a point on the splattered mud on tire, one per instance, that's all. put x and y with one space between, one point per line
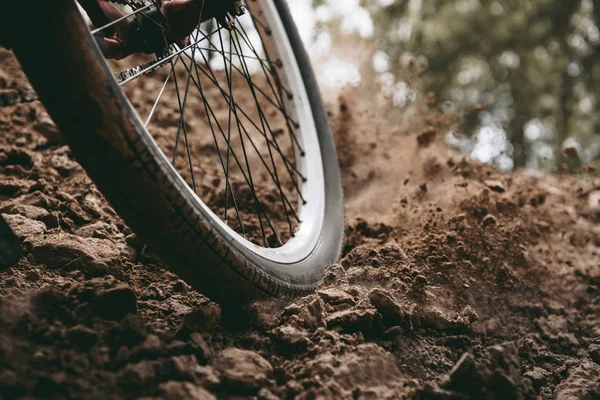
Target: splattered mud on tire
456 282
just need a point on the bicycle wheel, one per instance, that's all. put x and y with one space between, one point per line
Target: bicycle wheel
233 178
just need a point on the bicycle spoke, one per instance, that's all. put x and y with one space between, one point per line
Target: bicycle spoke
159 63
208 116
260 208
289 164
116 21
278 106
281 103
214 80
160 94
228 128
254 182
182 119
263 123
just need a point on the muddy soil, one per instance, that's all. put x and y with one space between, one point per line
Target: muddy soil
455 282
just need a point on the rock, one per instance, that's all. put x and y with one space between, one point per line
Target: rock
203 319
582 382
335 297
94 257
24 227
594 351
291 336
199 347
173 390
495 186
242 370
81 336
353 320
387 306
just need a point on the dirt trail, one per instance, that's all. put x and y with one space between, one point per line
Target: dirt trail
456 282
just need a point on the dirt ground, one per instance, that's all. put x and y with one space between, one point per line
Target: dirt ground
456 282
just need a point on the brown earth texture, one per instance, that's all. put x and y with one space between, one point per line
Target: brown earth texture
456 282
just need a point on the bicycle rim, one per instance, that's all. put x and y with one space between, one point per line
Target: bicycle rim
252 161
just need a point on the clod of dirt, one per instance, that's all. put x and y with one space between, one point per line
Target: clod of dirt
582 382
174 390
499 375
106 298
368 371
495 185
571 152
202 319
93 257
46 127
81 336
292 337
336 297
388 307
352 320
201 349
594 351
26 210
242 371
24 227
488 220
426 137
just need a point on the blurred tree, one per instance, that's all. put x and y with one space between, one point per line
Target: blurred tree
531 66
